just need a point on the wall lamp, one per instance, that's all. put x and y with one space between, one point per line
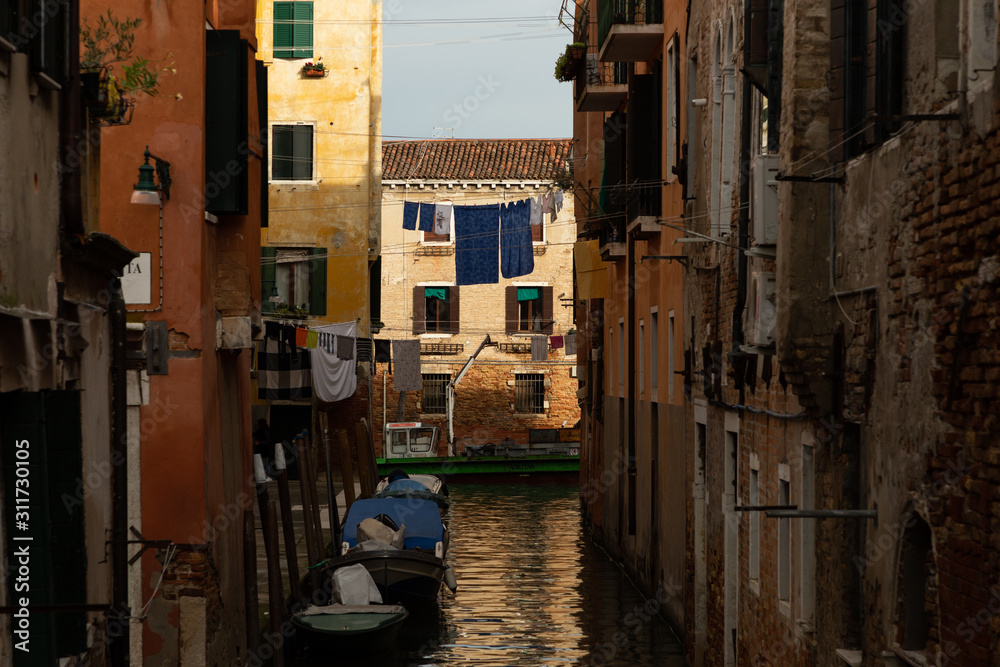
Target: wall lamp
273 297
146 191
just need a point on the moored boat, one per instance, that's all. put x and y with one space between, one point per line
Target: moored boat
408 564
425 487
355 621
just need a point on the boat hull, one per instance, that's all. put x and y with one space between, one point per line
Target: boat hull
353 633
401 576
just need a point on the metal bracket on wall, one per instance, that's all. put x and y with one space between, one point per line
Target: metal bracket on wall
157 544
763 508
157 348
822 514
676 258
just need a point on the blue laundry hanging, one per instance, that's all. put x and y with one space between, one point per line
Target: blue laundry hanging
477 244
410 209
427 212
516 255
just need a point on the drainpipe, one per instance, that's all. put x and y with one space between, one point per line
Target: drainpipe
119 479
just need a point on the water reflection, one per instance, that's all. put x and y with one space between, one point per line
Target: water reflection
532 590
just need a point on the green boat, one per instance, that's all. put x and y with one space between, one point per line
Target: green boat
550 456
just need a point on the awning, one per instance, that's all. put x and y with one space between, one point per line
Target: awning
528 293
436 293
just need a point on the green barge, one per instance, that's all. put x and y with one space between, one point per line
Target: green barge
551 455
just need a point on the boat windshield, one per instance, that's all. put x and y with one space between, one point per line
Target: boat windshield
398 443
421 439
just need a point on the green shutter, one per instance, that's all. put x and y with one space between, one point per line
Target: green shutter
283 16
317 282
266 279
282 152
302 153
302 30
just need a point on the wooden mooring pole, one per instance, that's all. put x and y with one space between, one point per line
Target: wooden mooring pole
287 527
268 522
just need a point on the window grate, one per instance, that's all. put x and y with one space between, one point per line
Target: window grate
442 348
515 348
433 398
529 393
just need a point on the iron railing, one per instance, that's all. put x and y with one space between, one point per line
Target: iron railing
628 12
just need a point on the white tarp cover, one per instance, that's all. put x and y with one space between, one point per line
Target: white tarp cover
352 585
373 529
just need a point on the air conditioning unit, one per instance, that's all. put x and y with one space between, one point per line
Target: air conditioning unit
764 187
760 314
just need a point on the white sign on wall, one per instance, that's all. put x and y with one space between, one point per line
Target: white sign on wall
137 280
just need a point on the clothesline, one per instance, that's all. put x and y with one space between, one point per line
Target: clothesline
295 363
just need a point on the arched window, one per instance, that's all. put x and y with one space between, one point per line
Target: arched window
915 562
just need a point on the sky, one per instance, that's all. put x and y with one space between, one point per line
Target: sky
494 80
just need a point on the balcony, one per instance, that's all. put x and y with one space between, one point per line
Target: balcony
600 86
642 209
629 31
611 230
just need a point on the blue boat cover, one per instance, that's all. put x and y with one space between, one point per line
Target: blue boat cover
405 484
422 518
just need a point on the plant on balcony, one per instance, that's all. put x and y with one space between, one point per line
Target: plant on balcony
314 68
568 63
110 75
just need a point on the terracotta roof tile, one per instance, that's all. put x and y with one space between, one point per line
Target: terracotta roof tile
475 159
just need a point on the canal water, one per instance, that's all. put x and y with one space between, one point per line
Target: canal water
533 589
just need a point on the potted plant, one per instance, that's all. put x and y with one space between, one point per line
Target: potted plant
314 69
565 68
107 95
577 50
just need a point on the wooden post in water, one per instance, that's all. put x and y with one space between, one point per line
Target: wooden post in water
331 492
346 469
365 471
268 523
314 494
250 573
304 491
287 527
275 596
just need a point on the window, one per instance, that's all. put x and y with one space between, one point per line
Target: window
915 559
654 345
538 231
294 278
293 30
784 548
397 444
433 398
670 356
807 527
867 67
421 439
529 309
673 110
529 393
642 357
431 237
621 356
435 309
292 152
754 559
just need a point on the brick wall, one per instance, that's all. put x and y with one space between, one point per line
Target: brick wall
484 401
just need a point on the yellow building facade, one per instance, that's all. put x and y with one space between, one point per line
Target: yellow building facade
324 128
321 241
